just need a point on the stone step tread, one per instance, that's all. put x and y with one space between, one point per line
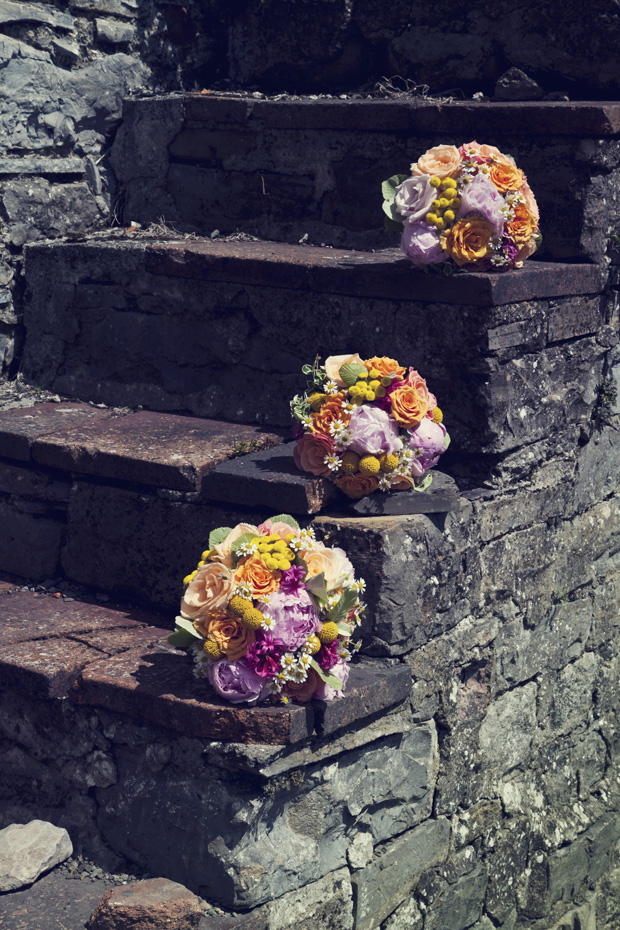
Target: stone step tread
385 274
272 477
544 117
158 449
103 657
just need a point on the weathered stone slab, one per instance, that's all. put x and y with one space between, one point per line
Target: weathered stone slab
441 497
41 165
158 686
149 448
12 12
120 640
154 904
271 478
28 850
368 691
19 427
29 543
387 881
46 667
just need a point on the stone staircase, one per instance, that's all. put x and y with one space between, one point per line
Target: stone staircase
431 795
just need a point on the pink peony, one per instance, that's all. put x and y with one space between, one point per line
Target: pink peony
421 245
427 442
373 431
481 197
295 617
237 682
413 198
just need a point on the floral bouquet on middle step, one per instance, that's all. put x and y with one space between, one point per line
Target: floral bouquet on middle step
269 614
368 425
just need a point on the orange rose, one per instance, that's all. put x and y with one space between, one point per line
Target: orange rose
309 454
228 632
417 382
210 590
442 161
330 412
469 240
523 226
409 407
255 573
384 365
530 200
401 482
303 691
357 486
505 176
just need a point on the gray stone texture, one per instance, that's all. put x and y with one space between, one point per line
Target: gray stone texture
28 850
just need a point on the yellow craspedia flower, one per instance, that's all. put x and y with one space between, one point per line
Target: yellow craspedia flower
436 204
449 216
212 650
381 392
317 400
369 396
205 555
284 565
350 463
239 605
437 415
253 619
314 644
363 375
328 633
388 463
369 465
448 182
435 181
187 579
374 374
431 218
439 222
443 203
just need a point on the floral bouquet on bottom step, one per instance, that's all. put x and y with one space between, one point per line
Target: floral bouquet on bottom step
269 614
368 425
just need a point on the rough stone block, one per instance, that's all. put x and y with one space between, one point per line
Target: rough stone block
369 691
29 543
28 850
46 667
154 904
20 427
508 729
30 482
461 903
114 32
387 881
441 497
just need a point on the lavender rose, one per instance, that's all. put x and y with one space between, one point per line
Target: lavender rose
421 245
237 682
413 198
294 617
428 441
325 692
481 196
373 432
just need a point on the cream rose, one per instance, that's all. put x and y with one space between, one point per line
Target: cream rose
333 563
334 363
222 552
210 590
442 161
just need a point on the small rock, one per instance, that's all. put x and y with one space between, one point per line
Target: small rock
154 904
515 84
28 850
557 95
360 851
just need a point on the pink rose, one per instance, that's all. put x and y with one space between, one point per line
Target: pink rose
373 431
530 200
223 551
481 197
419 384
421 244
482 151
294 618
325 692
282 529
236 681
427 442
413 198
310 451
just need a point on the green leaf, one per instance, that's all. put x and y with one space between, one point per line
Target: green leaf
446 441
306 369
182 624
538 239
425 483
392 225
447 268
316 587
285 518
351 371
345 629
614 238
341 609
330 680
181 639
242 541
219 535
388 188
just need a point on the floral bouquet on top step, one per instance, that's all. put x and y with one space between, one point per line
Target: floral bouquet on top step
368 425
469 207
269 614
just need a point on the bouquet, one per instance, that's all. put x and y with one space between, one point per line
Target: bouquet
368 425
269 614
470 207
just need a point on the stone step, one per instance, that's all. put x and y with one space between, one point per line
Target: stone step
221 329
285 169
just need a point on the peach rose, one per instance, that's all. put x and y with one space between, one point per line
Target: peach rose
484 151
530 200
442 161
222 552
384 365
523 226
409 406
210 590
505 176
469 240
330 412
357 486
303 691
418 383
229 633
334 363
282 529
525 251
401 482
257 575
309 454
333 563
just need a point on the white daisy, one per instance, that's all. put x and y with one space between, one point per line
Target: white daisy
330 387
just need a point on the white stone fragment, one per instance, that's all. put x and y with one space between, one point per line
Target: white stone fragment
28 850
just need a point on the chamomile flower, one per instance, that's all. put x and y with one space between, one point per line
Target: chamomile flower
247 549
385 483
330 387
304 660
263 598
307 423
268 622
343 439
307 538
299 674
332 461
